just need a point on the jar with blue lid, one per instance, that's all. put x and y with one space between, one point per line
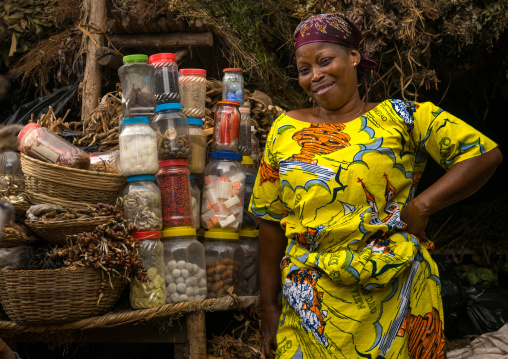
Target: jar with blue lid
197 140
141 200
223 192
136 76
172 130
138 147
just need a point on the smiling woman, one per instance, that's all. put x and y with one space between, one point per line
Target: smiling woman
341 226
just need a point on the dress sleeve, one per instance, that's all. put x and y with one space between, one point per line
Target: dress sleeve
446 138
266 201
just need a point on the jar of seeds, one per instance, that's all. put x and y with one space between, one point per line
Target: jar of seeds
165 77
192 84
151 293
138 97
142 203
172 130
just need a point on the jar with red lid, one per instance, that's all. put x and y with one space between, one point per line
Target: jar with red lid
151 292
232 85
165 78
192 84
173 179
42 144
226 132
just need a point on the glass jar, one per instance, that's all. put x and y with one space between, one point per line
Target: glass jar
142 203
149 293
197 140
249 220
136 76
223 192
42 144
170 126
184 260
256 152
223 261
174 183
138 147
248 278
232 85
195 201
192 84
245 145
226 131
165 78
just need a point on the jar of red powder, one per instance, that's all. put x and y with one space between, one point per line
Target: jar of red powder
42 144
226 131
173 179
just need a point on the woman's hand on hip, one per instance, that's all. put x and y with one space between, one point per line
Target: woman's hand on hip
415 220
270 314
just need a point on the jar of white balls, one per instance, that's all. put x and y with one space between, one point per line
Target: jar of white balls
184 260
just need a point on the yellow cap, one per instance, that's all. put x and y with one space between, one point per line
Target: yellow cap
178 231
248 232
222 234
247 160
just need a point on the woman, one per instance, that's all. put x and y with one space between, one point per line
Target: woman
335 193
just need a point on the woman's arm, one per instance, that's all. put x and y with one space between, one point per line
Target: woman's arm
271 246
461 181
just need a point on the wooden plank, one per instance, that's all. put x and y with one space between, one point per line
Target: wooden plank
109 57
93 70
199 25
163 40
196 334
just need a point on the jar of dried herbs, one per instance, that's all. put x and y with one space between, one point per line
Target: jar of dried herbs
142 203
172 130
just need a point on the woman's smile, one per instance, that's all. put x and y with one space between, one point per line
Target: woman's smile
321 89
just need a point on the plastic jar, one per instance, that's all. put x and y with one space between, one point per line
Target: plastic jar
232 85
195 202
170 126
184 260
151 293
142 203
226 130
174 183
138 147
197 140
248 278
10 164
245 145
138 97
223 192
249 220
42 144
165 78
223 261
192 84
256 152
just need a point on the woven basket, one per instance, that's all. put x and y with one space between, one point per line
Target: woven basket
49 183
57 232
57 295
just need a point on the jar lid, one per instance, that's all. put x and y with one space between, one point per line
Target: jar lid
247 160
195 121
154 235
193 72
222 234
250 179
235 156
26 128
141 178
162 57
135 58
137 119
168 106
232 69
248 232
173 162
245 110
229 103
178 231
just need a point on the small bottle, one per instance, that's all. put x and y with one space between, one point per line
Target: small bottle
192 84
248 283
245 146
197 140
226 132
232 85
256 153
196 201
249 220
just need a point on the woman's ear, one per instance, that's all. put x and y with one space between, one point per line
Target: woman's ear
355 57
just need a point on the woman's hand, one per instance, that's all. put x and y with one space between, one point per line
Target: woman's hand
415 219
270 314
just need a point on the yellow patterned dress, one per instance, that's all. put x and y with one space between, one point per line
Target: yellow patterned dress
354 283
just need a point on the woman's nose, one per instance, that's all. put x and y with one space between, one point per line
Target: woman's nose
316 75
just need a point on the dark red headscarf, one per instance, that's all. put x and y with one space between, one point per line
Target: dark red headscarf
335 28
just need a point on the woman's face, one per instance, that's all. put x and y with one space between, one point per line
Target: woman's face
327 74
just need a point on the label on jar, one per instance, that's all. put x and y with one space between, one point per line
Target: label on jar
44 152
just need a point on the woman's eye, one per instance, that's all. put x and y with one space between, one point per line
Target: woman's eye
325 61
303 70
